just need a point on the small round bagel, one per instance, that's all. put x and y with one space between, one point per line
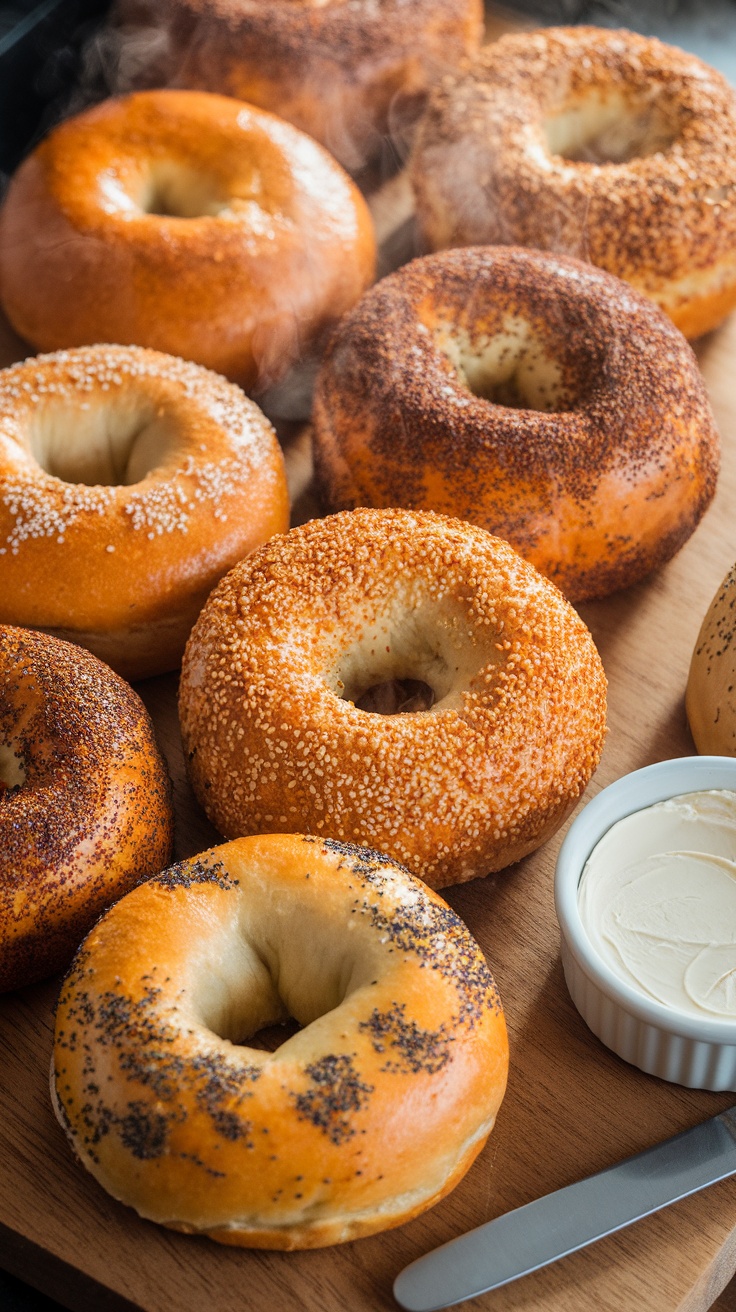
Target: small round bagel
710 701
346 73
298 634
371 1113
85 800
600 144
130 482
531 394
185 222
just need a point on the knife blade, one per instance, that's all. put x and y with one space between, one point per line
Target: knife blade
549 1228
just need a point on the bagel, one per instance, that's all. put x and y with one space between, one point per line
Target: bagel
604 145
300 632
534 395
709 700
85 807
130 482
185 222
348 74
368 1115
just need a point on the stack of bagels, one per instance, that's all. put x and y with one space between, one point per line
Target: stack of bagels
389 699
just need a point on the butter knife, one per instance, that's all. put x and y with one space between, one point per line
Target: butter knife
551 1227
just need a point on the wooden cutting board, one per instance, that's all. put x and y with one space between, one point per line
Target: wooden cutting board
571 1106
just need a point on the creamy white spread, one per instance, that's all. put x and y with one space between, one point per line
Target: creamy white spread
657 898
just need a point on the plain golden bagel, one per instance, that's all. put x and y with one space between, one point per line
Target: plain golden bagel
130 482
85 800
604 145
366 1116
709 700
185 222
291 646
531 394
349 74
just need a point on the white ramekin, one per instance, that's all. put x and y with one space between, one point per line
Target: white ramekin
657 1039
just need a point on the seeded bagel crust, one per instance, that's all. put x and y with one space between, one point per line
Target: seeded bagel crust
527 144
531 394
85 800
294 635
368 1115
349 74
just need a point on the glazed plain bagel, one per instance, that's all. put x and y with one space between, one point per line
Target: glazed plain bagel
348 74
185 222
369 1114
710 701
85 800
604 145
532 394
130 482
281 666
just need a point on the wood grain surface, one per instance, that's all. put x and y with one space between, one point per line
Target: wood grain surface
571 1106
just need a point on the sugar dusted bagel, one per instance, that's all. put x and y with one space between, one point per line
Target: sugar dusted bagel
532 394
130 482
298 634
600 144
85 800
368 1115
185 222
346 73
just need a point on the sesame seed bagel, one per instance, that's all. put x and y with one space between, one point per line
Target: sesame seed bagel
185 222
531 394
130 482
173 1113
85 800
279 665
600 144
346 73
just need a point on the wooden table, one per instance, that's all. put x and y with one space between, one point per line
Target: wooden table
571 1106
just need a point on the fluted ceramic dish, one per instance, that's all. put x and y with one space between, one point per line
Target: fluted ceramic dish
657 1039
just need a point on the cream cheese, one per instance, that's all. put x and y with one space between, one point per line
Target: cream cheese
657 899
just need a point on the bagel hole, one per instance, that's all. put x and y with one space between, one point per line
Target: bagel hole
174 190
396 697
611 131
511 368
398 673
12 770
271 1037
419 657
106 444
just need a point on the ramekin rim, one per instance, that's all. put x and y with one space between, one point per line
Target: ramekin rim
586 830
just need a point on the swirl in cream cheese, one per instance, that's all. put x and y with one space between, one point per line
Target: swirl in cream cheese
657 898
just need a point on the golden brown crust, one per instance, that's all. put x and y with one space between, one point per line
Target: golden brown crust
599 483
185 222
173 1113
130 482
485 171
314 618
346 73
709 698
91 814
